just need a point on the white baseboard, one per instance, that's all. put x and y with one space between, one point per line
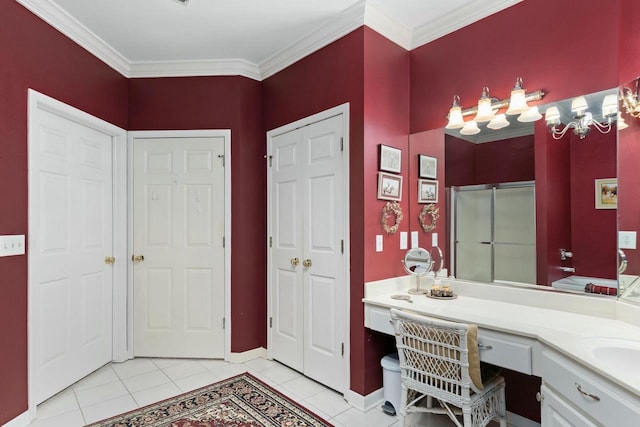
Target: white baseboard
247 355
21 420
364 403
515 420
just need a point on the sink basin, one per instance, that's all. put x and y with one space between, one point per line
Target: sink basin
618 353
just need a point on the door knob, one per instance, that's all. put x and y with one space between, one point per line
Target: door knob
137 258
295 262
307 263
109 260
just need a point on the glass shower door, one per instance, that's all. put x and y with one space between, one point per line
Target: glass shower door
515 235
473 235
494 231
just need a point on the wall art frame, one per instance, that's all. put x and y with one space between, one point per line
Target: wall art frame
606 193
390 159
389 186
427 191
428 166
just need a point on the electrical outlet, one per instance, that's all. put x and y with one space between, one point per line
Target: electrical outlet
627 239
434 239
403 240
379 243
12 245
414 239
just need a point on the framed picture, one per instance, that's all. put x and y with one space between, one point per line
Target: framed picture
390 159
428 166
389 186
606 193
427 191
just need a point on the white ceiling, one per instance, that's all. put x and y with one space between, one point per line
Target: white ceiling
253 38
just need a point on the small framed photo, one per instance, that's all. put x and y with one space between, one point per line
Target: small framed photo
389 186
606 193
427 191
428 166
390 159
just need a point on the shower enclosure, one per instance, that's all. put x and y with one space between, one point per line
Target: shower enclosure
493 232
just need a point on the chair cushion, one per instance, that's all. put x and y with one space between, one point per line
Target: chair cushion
474 356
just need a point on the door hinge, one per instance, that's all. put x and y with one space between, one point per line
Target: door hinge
270 241
271 322
221 156
342 349
342 246
341 143
223 241
224 322
270 158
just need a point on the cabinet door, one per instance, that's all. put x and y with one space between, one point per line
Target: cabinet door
556 412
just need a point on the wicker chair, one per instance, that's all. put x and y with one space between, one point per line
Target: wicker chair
434 363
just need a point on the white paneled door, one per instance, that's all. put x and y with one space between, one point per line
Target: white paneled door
70 242
178 246
307 266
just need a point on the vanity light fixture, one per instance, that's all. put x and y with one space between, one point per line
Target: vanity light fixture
583 119
488 108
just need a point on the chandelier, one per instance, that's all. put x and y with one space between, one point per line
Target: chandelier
630 99
583 120
488 108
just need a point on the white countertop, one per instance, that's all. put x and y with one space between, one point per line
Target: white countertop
564 331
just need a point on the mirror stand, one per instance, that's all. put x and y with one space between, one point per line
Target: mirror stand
417 262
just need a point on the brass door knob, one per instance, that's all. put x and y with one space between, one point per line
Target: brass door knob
109 260
137 258
295 262
306 263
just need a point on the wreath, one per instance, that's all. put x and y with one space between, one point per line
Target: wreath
432 212
391 208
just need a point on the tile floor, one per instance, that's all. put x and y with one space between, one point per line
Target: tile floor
120 387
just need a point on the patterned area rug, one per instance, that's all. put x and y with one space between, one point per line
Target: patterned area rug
241 401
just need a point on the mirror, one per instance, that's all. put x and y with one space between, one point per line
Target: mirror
628 181
417 262
550 181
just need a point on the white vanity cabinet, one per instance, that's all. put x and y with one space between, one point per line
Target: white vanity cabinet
557 412
572 395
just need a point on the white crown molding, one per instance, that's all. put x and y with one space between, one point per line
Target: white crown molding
347 21
462 17
361 13
70 27
387 26
221 67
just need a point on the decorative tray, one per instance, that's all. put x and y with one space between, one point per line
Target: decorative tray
454 296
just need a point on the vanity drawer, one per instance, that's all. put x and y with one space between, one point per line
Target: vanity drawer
609 405
378 319
506 350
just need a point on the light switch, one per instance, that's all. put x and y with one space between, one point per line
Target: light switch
414 239
434 239
12 245
379 243
403 240
627 239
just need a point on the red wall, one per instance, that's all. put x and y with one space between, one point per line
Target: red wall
629 139
507 160
430 143
594 240
34 55
223 103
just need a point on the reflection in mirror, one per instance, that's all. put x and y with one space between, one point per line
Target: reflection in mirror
536 195
628 183
417 262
